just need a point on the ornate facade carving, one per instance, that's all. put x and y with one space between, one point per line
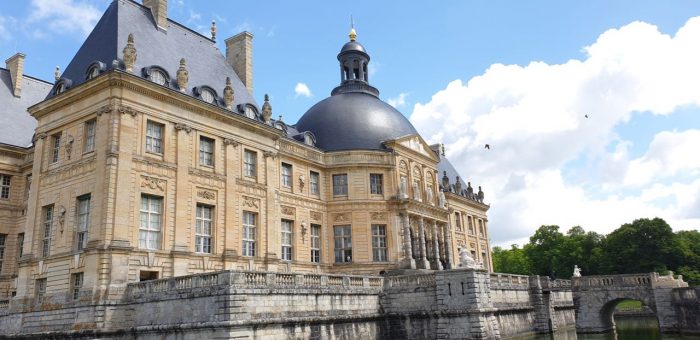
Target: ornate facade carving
183 76
181 127
403 167
228 94
107 109
153 183
68 145
316 216
287 210
251 202
232 142
268 154
127 110
206 194
267 109
377 216
341 218
129 54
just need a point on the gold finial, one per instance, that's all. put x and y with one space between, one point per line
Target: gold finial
353 34
57 74
213 30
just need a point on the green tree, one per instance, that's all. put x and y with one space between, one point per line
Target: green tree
545 251
642 246
580 248
688 252
512 261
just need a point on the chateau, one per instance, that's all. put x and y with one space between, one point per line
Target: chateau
149 157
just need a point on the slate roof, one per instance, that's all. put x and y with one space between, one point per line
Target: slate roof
16 125
205 63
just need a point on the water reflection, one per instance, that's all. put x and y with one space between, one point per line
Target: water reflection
637 328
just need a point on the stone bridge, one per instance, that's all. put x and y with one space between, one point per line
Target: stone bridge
595 298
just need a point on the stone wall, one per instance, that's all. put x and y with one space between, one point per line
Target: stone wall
686 303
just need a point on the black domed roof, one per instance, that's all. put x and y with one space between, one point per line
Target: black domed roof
353 46
354 120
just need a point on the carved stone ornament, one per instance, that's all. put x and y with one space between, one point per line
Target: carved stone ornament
206 194
213 30
288 210
403 167
269 154
403 188
267 109
416 191
228 94
104 110
61 216
127 110
315 215
232 142
57 73
153 183
38 136
377 216
129 54
69 145
183 76
429 194
251 202
341 218
441 200
185 127
302 182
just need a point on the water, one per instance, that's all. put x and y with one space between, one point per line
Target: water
637 328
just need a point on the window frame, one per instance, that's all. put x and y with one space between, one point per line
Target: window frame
148 234
40 288
287 240
249 233
47 223
204 234
250 166
337 185
152 77
3 241
286 174
203 154
89 135
82 221
376 187
55 155
314 183
154 144
315 243
5 186
345 238
76 283
379 243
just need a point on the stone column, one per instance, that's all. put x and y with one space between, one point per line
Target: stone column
361 71
448 246
423 262
232 229
407 262
436 246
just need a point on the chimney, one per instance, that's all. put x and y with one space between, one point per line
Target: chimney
239 53
159 9
16 66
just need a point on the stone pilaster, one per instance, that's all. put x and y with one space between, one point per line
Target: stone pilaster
423 261
407 262
436 247
232 234
448 246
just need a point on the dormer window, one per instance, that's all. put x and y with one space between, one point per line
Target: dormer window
249 112
93 72
60 88
207 96
308 140
157 77
279 126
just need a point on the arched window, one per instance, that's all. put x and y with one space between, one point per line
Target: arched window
249 112
207 96
60 88
157 76
93 72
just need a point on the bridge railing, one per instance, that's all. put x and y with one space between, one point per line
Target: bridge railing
630 280
508 281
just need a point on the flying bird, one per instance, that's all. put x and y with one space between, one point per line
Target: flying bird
488 147
586 115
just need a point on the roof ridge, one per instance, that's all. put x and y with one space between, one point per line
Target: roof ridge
30 77
142 7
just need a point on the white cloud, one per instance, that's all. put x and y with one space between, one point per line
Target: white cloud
63 16
398 101
533 117
303 90
194 17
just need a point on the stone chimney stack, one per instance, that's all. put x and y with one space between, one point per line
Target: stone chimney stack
239 53
159 9
16 66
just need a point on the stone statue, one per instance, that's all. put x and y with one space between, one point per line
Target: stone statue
183 76
429 194
577 271
129 53
267 109
466 260
458 186
302 181
445 181
416 191
480 196
470 190
441 199
403 188
228 94
213 30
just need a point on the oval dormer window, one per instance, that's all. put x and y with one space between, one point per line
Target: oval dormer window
249 112
93 72
308 140
60 88
157 77
207 96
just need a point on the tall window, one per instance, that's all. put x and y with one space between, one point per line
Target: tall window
471 225
83 221
203 229
458 221
206 151
481 228
48 224
151 215
286 175
343 243
20 245
154 137
379 242
250 160
76 283
3 238
5 187
340 185
248 233
90 135
40 288
286 240
375 184
313 180
315 243
55 147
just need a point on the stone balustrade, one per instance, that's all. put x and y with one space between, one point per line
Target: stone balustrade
253 279
508 281
408 281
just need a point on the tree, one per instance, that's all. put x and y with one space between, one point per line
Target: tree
512 261
642 246
544 251
688 252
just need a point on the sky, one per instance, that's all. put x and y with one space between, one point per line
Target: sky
590 108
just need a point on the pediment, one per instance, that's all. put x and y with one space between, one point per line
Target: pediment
416 144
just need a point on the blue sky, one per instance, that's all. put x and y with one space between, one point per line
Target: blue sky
517 74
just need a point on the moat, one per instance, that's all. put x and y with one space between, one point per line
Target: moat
634 328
